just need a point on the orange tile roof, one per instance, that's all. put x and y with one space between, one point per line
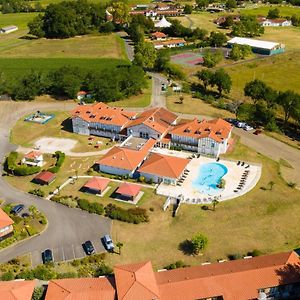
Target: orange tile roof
164 165
5 220
158 34
102 113
136 282
33 154
158 119
45 176
16 289
240 279
81 289
217 129
97 183
125 158
128 189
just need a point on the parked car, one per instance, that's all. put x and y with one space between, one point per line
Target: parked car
248 127
240 124
47 256
108 243
25 215
257 131
17 209
88 247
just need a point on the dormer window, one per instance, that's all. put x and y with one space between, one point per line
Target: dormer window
187 130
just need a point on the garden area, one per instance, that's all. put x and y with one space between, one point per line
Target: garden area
31 224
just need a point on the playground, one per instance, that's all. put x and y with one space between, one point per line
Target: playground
189 58
39 117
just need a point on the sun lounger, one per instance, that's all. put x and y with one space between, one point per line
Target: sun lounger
238 163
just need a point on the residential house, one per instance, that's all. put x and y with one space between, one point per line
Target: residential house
274 22
101 120
205 137
33 158
153 123
6 226
158 36
44 178
170 43
128 191
8 29
96 185
271 276
163 168
17 289
124 161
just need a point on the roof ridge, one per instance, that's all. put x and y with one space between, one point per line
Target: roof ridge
62 286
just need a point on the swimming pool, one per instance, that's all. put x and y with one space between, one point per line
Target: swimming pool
209 175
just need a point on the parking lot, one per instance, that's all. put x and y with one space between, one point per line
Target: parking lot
66 252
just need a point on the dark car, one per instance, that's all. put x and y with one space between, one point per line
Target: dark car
47 256
257 131
17 209
88 248
108 243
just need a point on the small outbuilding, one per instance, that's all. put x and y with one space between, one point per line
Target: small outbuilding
96 185
8 29
127 191
44 178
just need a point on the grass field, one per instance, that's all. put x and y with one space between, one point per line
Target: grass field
88 46
280 72
46 2
195 106
265 220
285 11
26 133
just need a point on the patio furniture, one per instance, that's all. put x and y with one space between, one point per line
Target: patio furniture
242 163
238 163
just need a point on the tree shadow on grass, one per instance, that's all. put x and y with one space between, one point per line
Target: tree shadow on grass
186 247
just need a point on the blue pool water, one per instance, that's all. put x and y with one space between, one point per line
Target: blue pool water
209 175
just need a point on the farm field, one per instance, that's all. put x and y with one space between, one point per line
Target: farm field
88 46
262 219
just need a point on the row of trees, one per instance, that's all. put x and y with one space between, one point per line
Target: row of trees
219 79
67 19
105 85
265 103
17 6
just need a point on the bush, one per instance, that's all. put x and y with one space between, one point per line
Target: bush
67 275
198 243
60 158
102 270
38 293
234 256
176 265
254 253
27 274
68 202
44 272
132 215
7 276
37 192
11 159
94 207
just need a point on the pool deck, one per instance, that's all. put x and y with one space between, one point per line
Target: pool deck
188 194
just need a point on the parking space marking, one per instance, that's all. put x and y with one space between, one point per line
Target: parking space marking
36 258
79 252
73 252
63 253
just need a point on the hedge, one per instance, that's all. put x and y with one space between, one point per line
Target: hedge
91 207
60 158
26 170
11 161
132 215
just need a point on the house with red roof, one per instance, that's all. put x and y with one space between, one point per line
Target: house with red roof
101 120
159 36
274 276
33 158
128 191
96 185
17 289
163 168
274 22
6 226
44 178
205 137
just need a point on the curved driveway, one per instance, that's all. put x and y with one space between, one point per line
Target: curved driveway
67 228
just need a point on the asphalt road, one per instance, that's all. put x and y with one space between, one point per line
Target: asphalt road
67 228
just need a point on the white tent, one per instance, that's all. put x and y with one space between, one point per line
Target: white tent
163 23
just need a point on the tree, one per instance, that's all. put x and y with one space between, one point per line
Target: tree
229 21
162 59
217 39
295 20
36 26
211 59
290 102
188 9
222 80
273 13
214 203
255 89
120 12
247 27
205 76
145 55
201 4
231 4
198 243
181 98
120 246
240 52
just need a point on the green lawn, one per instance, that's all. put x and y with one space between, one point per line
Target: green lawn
285 11
281 72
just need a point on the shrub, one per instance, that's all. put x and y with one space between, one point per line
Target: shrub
67 275
37 192
26 170
68 202
102 270
198 243
254 253
38 293
94 207
176 265
10 162
234 256
26 274
7 276
44 272
132 215
60 158
291 184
